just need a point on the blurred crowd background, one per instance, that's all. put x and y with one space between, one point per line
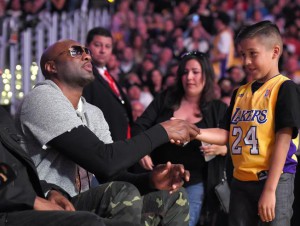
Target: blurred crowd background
150 37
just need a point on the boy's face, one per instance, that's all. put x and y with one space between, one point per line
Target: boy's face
259 58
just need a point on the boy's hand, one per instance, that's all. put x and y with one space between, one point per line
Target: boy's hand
266 206
214 149
146 162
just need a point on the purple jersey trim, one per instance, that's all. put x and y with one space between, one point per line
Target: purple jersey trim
290 163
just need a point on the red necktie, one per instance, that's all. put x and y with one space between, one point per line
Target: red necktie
112 83
115 89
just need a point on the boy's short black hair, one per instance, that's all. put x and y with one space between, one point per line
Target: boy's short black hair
97 31
263 29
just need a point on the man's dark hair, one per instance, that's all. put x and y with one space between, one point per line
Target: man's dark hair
101 31
264 29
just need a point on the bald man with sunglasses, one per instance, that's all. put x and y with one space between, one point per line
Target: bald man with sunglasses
69 140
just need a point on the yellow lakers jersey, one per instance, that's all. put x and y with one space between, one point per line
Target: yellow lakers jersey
252 129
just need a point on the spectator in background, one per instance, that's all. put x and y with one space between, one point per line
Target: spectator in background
195 41
164 60
140 8
222 53
122 21
144 68
226 86
34 6
169 81
14 8
237 76
127 62
104 92
132 78
179 47
155 82
155 49
2 10
58 5
135 93
119 46
254 5
291 68
113 66
167 33
137 109
142 28
291 37
238 17
139 48
190 99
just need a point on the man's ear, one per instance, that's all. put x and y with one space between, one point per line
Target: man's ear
50 67
276 51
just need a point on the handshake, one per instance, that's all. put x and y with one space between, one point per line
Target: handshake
180 131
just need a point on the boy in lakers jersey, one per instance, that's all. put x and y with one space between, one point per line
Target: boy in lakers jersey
260 124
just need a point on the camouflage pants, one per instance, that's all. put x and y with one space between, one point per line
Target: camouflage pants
111 204
120 201
115 202
161 208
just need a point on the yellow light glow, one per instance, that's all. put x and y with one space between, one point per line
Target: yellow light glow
18 87
4 93
18 76
18 67
6 101
9 94
6 71
6 87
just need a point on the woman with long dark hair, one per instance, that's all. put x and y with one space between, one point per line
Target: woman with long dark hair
191 99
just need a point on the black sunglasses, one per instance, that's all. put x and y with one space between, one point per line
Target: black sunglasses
76 51
193 53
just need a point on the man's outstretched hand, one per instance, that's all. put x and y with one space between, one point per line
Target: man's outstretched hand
180 131
169 176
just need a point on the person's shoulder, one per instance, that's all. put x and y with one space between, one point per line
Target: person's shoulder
43 90
217 102
40 94
290 88
290 84
217 106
